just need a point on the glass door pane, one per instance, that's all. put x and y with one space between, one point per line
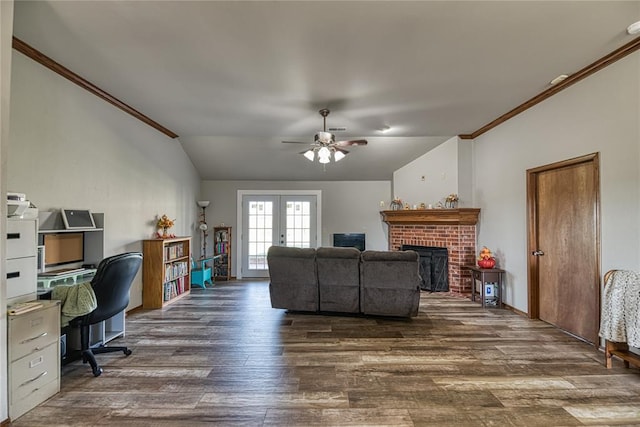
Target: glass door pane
259 212
299 221
275 220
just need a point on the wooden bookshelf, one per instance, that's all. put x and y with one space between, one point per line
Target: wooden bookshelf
166 269
222 247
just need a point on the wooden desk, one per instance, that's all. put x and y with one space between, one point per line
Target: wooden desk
486 276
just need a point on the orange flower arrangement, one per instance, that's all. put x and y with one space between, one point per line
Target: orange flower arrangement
165 223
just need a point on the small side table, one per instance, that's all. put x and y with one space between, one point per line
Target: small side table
486 276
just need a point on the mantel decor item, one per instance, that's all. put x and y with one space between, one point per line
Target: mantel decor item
203 225
451 201
165 223
486 259
396 204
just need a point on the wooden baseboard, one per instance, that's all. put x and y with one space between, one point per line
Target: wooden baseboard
515 310
135 309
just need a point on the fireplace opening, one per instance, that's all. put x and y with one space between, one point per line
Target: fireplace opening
434 267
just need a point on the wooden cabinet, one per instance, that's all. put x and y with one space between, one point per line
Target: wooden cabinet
34 357
222 247
166 268
21 260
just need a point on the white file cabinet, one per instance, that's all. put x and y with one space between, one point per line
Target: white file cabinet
34 357
21 260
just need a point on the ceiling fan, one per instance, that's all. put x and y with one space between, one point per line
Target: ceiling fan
325 144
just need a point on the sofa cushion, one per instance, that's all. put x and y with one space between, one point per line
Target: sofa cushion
390 283
293 278
339 279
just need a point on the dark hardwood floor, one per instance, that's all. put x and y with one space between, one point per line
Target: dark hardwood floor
223 356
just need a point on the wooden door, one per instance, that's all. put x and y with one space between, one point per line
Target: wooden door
564 249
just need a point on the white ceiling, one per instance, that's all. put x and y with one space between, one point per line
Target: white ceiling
235 78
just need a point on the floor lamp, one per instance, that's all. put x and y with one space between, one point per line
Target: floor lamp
203 225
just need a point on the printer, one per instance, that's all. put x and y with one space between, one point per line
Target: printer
19 206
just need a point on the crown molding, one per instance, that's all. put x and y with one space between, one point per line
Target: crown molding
590 69
51 64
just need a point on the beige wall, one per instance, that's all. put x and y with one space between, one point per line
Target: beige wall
6 29
347 206
70 149
598 114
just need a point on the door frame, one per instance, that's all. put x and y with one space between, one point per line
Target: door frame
532 228
239 215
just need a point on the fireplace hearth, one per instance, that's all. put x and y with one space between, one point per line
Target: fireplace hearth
434 267
453 229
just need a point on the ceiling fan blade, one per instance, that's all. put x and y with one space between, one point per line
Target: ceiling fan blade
352 142
297 142
342 150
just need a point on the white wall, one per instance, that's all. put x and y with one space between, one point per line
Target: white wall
347 206
6 30
439 167
70 149
599 114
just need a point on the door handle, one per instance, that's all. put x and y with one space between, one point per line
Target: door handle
537 253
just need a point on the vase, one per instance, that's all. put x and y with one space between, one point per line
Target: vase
164 232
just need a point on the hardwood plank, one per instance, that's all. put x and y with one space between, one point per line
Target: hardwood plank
223 356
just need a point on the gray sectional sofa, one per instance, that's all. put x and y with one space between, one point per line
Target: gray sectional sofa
344 280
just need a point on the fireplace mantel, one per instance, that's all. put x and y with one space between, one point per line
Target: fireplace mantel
461 216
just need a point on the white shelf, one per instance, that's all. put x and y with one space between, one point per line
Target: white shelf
64 230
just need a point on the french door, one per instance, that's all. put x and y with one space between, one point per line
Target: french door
283 220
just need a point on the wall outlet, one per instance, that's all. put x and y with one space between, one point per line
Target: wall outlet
382 203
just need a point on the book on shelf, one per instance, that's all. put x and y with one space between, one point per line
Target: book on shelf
174 251
23 307
173 288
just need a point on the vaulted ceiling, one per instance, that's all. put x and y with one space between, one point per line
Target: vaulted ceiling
234 78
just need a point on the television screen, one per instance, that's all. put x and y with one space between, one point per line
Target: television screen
349 240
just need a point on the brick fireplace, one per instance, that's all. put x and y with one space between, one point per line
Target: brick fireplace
454 229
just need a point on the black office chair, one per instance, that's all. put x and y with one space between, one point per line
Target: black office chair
111 285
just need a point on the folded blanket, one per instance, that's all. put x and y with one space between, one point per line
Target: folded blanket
620 317
75 300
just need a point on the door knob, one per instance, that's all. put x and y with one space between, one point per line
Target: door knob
537 253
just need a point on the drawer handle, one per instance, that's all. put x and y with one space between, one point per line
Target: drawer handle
13 236
44 334
33 379
13 275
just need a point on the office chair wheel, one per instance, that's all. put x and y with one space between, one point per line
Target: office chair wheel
127 352
96 371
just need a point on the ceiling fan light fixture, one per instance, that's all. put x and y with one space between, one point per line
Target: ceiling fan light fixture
310 154
324 155
326 146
